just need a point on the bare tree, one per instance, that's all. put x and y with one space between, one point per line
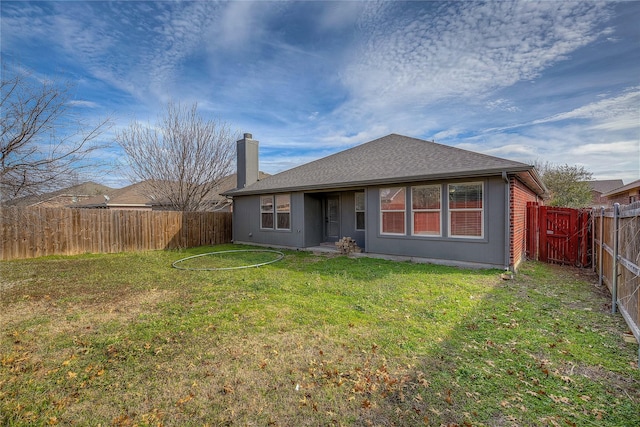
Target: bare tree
181 158
43 146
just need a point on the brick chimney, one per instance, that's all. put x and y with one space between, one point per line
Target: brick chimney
247 161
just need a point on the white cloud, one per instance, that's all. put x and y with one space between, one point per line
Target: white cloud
502 105
462 49
616 113
619 148
239 24
512 150
83 104
619 112
336 16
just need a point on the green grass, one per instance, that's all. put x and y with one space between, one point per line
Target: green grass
125 339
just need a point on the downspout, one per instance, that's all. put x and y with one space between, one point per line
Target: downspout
507 222
233 221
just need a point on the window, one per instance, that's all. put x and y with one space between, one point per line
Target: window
359 198
392 210
425 210
283 211
466 210
266 212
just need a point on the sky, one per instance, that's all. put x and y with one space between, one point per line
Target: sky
549 81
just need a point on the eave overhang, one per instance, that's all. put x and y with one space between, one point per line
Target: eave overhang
526 174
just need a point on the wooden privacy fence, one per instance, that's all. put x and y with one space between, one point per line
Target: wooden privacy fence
35 232
617 252
559 235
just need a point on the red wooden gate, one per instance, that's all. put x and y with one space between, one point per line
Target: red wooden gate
559 235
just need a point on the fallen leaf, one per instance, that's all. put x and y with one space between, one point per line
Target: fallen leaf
184 400
448 398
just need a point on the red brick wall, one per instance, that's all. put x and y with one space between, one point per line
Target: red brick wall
625 198
519 195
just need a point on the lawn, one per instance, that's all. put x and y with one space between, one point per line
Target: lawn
125 340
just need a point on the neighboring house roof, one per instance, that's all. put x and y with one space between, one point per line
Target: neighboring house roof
140 195
602 186
393 158
131 196
229 183
633 185
65 195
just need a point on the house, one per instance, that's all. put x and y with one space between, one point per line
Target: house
132 197
140 196
625 194
395 195
65 197
598 188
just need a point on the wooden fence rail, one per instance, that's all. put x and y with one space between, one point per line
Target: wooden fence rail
617 251
34 232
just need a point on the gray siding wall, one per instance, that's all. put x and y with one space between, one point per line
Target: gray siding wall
313 220
246 223
489 250
307 220
348 218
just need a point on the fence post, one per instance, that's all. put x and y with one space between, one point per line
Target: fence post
593 240
614 279
601 236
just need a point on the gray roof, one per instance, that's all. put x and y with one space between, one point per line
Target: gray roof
86 189
140 194
393 158
630 186
604 185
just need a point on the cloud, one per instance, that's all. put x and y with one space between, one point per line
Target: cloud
619 148
463 49
238 25
501 105
615 113
336 16
619 109
83 104
511 150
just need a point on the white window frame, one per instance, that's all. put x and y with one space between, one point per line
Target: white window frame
481 210
279 212
404 212
272 212
439 210
363 210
